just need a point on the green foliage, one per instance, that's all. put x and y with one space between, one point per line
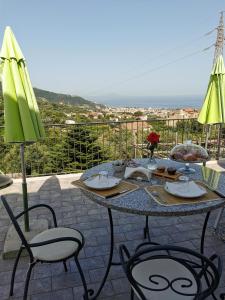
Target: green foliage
83 148
138 113
56 153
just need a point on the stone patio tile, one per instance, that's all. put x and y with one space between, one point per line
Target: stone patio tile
212 241
95 231
40 285
96 250
57 268
106 292
170 221
124 296
157 231
7 265
120 285
89 218
67 280
126 228
4 292
5 277
41 271
131 220
64 294
186 244
136 234
18 290
162 239
85 226
105 239
187 235
189 226
115 273
88 263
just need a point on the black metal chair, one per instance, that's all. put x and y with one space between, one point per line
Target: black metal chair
170 272
52 245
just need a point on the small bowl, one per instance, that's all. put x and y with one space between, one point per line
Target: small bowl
171 171
161 169
118 167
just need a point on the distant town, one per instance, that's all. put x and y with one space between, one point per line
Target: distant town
116 114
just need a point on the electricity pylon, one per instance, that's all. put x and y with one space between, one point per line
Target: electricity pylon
219 39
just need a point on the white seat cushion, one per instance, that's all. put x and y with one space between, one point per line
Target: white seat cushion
169 269
58 250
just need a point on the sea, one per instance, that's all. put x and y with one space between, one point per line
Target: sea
166 102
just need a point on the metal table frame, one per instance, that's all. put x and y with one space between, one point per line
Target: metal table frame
146 236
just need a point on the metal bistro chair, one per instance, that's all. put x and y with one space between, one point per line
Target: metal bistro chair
170 272
52 245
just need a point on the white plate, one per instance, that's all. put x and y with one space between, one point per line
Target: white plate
102 182
185 190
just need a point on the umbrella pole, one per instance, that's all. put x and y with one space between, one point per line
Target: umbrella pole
219 142
24 188
207 137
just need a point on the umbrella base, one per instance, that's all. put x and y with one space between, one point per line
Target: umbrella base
12 242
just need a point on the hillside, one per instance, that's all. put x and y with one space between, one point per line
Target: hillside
64 98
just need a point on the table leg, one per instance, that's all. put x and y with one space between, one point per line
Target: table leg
96 294
146 230
203 232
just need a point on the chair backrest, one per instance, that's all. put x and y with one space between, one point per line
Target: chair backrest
16 225
153 270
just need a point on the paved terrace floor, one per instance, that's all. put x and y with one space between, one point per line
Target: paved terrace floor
50 282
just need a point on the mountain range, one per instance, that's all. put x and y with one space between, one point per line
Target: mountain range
63 98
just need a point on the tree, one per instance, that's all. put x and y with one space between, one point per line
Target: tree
84 150
138 113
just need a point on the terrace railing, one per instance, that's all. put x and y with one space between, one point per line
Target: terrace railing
74 148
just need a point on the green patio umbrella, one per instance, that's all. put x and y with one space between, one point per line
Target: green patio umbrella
22 119
213 109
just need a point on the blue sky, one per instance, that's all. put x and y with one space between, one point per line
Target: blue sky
108 48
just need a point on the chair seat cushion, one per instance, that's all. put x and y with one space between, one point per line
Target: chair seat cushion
159 273
58 250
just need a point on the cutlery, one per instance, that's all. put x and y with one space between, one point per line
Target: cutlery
156 194
117 193
215 191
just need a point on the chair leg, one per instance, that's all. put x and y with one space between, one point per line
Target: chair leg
132 294
27 280
82 278
14 271
65 266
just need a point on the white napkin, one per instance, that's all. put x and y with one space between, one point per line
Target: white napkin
129 171
187 189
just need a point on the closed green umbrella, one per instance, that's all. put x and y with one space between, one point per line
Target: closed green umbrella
22 118
213 109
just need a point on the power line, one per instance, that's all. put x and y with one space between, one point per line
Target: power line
165 53
157 57
155 68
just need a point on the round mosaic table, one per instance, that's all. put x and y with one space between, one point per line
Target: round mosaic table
140 202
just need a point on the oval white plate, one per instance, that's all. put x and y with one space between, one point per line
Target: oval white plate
185 190
102 182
